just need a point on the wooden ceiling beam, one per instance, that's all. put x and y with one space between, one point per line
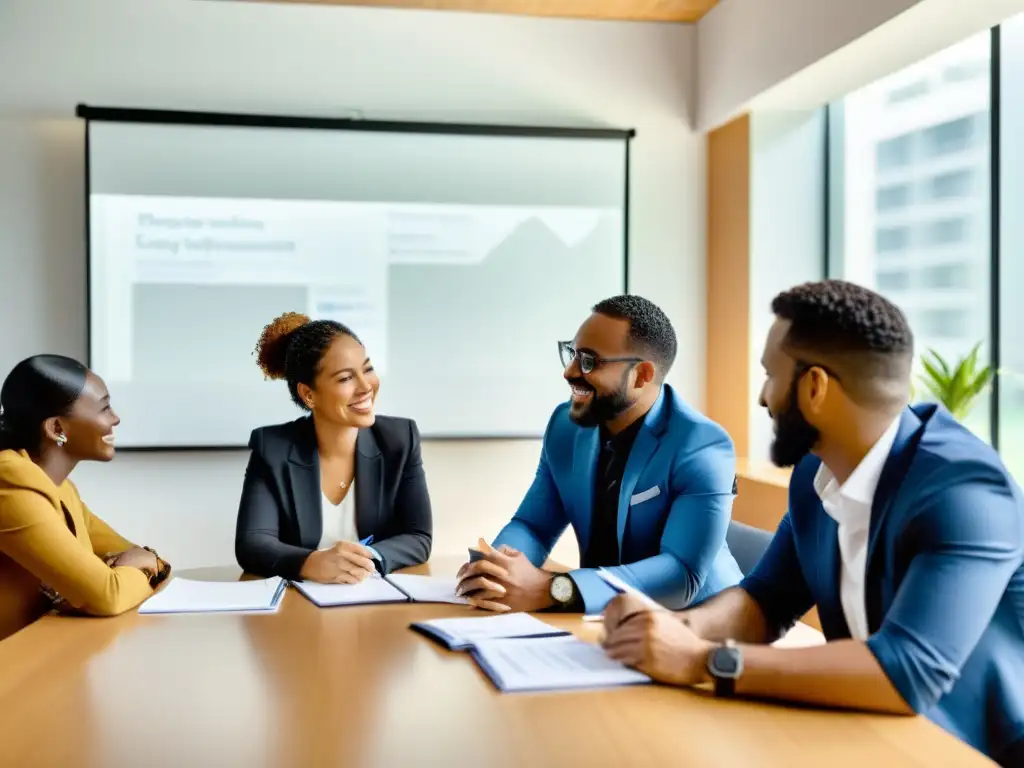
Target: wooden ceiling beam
685 11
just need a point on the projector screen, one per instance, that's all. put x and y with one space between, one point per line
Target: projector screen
459 257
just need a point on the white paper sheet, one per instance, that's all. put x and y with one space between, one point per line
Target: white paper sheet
551 663
373 589
191 596
428 589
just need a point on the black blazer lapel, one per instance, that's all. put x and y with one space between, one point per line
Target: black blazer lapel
369 483
304 484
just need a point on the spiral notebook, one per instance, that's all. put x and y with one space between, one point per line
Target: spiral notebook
394 588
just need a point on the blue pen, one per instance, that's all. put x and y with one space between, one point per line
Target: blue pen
367 541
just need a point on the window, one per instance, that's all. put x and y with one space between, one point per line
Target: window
892 281
944 231
891 239
908 92
909 203
942 324
892 198
894 153
956 276
950 138
1010 241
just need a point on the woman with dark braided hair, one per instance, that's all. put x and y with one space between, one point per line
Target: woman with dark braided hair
54 553
340 493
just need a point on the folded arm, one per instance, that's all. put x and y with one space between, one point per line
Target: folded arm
258 546
702 488
413 519
38 539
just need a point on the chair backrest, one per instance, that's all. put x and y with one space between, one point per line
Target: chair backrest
747 544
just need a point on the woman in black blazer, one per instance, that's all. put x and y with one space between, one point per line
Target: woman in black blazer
339 494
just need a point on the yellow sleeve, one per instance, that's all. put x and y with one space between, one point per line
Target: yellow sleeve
37 538
105 540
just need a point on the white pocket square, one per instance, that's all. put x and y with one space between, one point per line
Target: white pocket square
640 498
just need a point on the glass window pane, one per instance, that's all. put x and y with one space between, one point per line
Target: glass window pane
1011 249
910 203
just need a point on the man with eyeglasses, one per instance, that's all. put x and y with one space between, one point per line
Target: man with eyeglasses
645 482
904 529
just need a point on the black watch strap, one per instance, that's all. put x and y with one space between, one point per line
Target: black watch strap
725 686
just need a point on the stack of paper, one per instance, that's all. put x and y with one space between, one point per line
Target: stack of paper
395 588
460 634
551 663
189 596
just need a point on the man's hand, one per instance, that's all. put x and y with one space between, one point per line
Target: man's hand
503 581
344 563
655 642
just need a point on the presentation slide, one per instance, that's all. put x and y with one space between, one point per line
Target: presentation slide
459 304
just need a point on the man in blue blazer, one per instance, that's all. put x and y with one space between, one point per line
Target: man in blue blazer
903 528
644 480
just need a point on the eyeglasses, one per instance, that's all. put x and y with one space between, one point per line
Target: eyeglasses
588 360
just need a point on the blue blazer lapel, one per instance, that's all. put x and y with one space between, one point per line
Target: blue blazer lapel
895 469
643 448
584 466
829 598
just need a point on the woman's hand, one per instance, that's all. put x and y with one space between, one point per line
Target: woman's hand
344 563
140 558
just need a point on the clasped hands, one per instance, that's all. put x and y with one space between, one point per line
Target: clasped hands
658 643
504 580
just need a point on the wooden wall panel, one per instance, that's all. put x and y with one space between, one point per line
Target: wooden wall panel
727 383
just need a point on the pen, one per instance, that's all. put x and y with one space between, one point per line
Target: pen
367 541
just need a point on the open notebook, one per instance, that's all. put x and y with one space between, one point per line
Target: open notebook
461 634
191 596
550 664
394 588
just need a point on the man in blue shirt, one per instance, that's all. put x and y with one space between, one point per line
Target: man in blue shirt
903 528
646 482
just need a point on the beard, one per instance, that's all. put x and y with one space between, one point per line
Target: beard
601 408
795 437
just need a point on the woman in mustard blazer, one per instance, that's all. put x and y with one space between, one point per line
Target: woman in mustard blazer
54 553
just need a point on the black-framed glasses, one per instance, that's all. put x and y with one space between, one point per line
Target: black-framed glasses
588 360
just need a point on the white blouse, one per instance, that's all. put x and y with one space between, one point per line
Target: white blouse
339 519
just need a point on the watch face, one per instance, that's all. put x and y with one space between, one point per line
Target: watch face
726 662
561 589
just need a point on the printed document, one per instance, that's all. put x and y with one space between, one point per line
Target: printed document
551 663
459 634
373 589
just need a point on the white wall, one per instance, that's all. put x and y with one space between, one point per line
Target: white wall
325 61
799 54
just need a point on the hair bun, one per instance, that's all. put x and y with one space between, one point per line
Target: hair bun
272 347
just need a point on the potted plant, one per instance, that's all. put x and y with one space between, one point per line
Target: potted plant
955 386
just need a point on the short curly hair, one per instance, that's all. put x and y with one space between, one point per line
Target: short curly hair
650 330
292 346
863 335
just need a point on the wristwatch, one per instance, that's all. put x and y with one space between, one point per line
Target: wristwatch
725 665
562 590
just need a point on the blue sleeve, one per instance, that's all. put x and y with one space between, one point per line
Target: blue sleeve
777 582
702 487
969 541
541 518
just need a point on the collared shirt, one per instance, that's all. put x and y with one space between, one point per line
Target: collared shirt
603 547
849 505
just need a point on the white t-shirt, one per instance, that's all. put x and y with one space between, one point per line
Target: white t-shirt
339 519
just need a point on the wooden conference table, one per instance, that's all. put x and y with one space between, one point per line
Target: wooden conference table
355 687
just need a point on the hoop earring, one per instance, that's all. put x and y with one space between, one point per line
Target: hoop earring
62 440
